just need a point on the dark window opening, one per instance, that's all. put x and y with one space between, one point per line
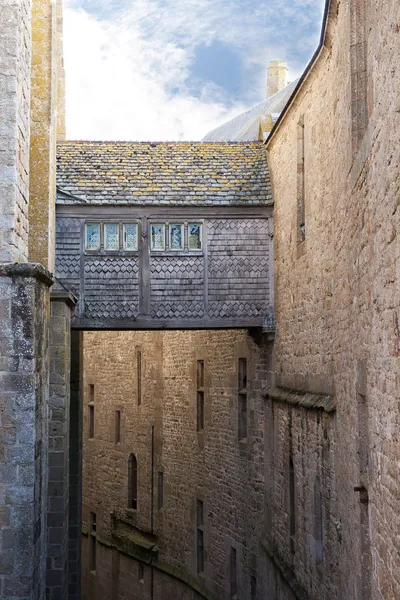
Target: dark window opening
117 426
242 374
132 482
233 573
141 573
92 542
91 421
200 395
200 536
139 377
301 222
242 398
160 490
253 588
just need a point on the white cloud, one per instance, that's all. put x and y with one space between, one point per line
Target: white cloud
128 70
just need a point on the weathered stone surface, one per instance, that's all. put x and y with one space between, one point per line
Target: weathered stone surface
23 435
337 304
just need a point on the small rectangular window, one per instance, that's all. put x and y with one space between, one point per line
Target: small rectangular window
176 237
141 573
139 377
242 398
91 393
111 236
117 426
233 572
242 374
91 421
92 236
195 236
157 236
242 416
200 536
160 490
200 513
200 395
130 235
253 588
92 542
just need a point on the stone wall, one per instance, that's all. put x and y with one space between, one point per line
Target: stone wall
337 304
24 430
15 72
210 465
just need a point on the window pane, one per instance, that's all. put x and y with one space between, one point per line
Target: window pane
111 236
92 236
130 237
158 237
194 234
176 237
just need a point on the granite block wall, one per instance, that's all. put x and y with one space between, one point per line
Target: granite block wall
24 301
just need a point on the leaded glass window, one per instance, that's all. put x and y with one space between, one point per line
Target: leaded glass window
130 237
176 237
92 237
111 236
194 236
158 236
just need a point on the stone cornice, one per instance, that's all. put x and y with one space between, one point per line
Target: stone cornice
27 270
302 399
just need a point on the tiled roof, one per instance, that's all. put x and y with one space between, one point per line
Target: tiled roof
162 173
245 127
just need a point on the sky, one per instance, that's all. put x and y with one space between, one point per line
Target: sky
159 70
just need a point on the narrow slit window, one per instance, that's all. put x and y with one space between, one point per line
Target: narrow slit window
242 398
200 536
92 542
92 236
117 426
195 236
200 395
253 588
233 572
160 490
91 421
301 219
132 482
139 376
111 236
176 237
130 236
157 236
91 411
141 573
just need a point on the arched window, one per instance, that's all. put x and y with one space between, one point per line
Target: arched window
318 525
132 482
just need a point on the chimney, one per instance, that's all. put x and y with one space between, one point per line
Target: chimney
276 77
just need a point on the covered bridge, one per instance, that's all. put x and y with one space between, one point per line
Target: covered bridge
165 235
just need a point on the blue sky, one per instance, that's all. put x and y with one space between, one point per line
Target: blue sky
174 69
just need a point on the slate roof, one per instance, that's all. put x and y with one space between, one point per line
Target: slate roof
245 127
162 173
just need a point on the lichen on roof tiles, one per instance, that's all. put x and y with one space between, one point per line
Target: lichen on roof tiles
162 173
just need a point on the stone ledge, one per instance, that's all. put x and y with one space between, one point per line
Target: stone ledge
302 399
33 270
149 556
286 572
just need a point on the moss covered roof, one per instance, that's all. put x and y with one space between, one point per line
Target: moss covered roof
162 173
